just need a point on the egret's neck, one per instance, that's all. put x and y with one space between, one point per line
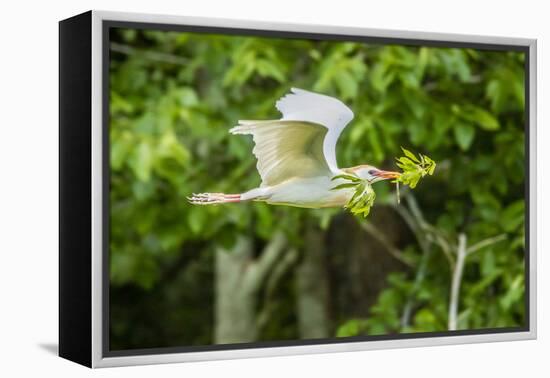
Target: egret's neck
346 171
339 171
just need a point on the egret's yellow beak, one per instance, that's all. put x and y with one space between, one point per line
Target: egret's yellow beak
387 175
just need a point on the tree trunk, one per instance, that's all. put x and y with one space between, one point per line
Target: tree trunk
234 313
312 288
239 278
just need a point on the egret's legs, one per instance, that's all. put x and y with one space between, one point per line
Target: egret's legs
218 198
213 198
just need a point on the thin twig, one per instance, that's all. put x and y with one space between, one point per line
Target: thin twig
421 225
422 230
387 244
485 243
419 277
415 210
445 246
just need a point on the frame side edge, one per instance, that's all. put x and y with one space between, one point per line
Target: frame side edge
74 193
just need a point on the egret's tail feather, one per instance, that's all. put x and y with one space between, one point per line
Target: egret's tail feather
213 198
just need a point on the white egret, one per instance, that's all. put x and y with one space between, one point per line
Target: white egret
297 155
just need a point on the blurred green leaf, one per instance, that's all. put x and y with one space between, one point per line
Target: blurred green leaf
482 117
352 327
141 161
464 135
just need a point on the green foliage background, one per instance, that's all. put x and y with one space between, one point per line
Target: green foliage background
173 97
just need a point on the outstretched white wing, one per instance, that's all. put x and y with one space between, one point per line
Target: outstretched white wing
286 149
302 105
303 142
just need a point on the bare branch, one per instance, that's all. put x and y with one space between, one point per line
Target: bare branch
258 271
424 232
288 260
412 224
415 209
446 248
456 281
386 243
285 264
485 243
426 236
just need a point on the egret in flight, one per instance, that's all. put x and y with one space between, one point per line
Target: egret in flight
297 155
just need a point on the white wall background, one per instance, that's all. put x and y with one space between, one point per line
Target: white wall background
28 185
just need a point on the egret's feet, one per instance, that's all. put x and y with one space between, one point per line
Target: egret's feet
213 198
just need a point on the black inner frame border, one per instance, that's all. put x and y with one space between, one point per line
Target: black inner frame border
106 176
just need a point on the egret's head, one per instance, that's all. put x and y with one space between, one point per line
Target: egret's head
371 173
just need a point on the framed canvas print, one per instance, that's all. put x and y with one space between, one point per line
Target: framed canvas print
236 189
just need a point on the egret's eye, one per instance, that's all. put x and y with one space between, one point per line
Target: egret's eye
372 171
